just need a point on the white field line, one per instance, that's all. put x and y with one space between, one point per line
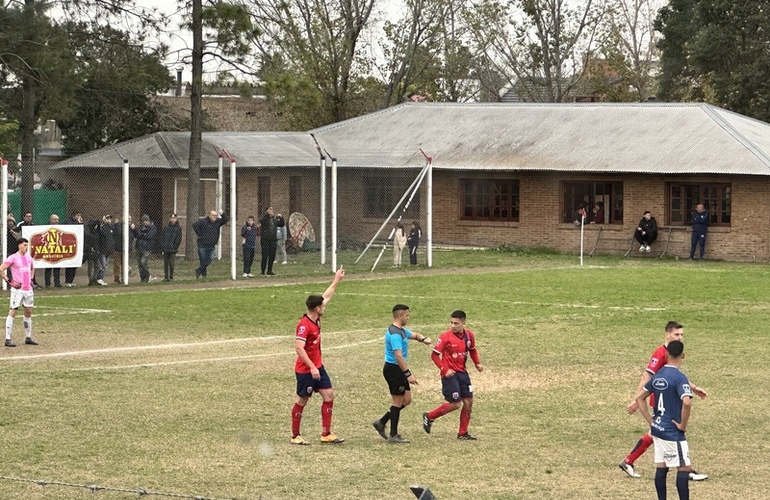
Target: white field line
215 360
111 350
503 301
61 311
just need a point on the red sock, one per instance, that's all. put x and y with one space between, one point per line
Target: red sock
326 417
639 449
465 419
440 411
296 418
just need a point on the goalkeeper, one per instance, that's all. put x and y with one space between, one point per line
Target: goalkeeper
22 269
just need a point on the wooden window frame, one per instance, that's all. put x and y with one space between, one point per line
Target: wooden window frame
491 200
682 198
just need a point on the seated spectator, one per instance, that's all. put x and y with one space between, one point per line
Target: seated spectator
646 231
598 213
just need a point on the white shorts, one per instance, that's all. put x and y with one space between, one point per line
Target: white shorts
24 298
672 453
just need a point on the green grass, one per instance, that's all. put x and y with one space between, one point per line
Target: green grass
206 410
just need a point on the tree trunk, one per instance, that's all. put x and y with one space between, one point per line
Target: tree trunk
196 132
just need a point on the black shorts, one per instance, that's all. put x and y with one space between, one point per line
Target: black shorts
457 387
397 383
306 385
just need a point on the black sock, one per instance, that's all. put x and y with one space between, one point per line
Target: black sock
660 482
385 418
395 413
683 484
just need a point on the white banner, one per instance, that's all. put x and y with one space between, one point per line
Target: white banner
55 246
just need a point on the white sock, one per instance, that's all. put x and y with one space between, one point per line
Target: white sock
27 326
8 327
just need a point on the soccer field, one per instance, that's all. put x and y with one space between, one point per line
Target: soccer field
187 389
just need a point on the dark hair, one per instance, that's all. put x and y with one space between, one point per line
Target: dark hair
458 314
672 325
647 212
23 240
600 204
399 307
314 301
675 348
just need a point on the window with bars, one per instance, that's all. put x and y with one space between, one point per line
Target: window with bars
490 199
683 198
584 193
381 193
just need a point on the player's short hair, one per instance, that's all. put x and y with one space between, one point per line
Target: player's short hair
458 314
672 325
314 301
398 308
647 212
23 240
675 348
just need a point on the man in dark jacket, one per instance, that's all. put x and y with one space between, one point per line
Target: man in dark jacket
91 250
169 244
268 240
646 231
69 273
145 241
700 225
106 246
208 229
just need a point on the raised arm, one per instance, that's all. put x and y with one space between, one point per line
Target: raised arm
327 295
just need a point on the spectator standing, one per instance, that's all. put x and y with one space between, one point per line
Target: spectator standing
52 220
207 229
646 232
117 254
309 369
397 373
170 240
399 242
69 273
450 354
249 233
282 234
106 246
23 268
145 241
415 234
268 240
27 221
700 226
91 250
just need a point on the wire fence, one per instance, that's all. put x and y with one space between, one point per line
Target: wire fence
94 488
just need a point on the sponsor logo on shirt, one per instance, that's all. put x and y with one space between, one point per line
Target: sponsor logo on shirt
660 383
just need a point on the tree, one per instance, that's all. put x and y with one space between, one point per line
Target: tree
541 46
113 99
311 50
628 45
717 51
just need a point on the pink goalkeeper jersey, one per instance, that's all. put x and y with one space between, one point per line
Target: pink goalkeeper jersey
20 266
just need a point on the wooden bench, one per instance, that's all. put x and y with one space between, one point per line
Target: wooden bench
614 238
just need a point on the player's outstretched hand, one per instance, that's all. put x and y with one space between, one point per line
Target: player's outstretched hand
15 284
426 341
700 392
631 409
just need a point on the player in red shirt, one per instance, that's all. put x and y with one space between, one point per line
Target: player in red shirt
450 353
309 370
674 331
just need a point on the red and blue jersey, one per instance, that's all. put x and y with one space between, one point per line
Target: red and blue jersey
658 360
454 349
309 332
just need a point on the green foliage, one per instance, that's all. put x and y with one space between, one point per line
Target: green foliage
9 139
717 51
113 102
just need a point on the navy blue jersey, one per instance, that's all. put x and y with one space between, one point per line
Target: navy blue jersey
396 339
670 386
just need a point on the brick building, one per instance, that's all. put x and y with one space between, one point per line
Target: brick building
502 174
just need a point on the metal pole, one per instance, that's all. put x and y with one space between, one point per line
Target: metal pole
220 182
334 215
4 180
323 210
429 222
126 225
582 225
233 218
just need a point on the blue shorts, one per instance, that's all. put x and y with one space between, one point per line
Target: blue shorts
457 387
306 384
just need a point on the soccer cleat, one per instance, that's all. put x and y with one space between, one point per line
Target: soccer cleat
298 440
426 422
9 343
29 341
332 439
697 476
628 469
397 439
467 437
380 428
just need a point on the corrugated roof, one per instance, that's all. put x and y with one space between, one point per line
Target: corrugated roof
644 137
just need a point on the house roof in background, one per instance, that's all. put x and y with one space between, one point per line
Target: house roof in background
645 138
